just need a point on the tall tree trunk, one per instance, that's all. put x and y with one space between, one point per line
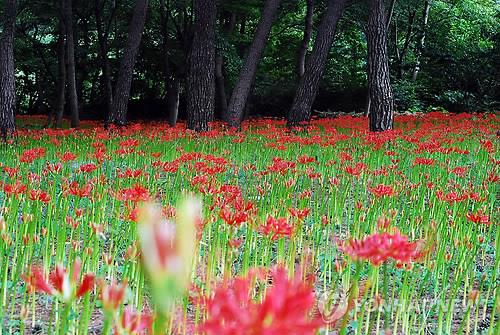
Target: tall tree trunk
61 68
173 91
379 82
102 36
309 83
200 79
308 29
121 96
7 71
71 72
421 42
220 83
402 55
220 79
242 88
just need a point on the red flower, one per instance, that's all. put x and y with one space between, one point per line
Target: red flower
235 218
112 294
134 323
28 156
300 214
40 196
478 217
277 228
14 189
68 157
382 190
88 168
135 194
378 248
285 309
423 161
60 283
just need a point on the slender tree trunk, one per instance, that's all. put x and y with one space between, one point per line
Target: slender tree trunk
220 83
173 91
7 71
200 79
71 72
102 36
61 68
308 86
390 14
421 42
308 29
121 96
379 83
402 55
242 88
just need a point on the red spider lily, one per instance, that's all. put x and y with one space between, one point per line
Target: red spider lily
277 228
306 159
88 168
52 168
382 190
61 283
236 218
459 171
82 192
133 323
11 172
39 195
136 193
112 295
356 170
285 309
281 166
129 173
15 189
300 214
423 161
451 197
478 217
28 156
378 248
68 157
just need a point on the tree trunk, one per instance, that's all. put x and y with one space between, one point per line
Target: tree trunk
121 96
308 86
308 29
220 83
421 42
7 71
61 68
200 78
379 82
173 91
242 88
102 36
71 72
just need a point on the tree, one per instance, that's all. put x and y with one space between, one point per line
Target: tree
243 86
61 69
308 30
309 82
118 114
200 80
421 41
381 111
70 57
7 74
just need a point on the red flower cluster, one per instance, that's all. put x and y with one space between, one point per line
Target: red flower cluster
382 190
478 217
277 228
378 248
285 309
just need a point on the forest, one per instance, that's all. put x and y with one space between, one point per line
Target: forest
119 60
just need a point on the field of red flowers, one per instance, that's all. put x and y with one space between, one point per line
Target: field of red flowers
325 230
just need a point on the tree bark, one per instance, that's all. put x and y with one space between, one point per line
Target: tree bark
71 72
121 95
308 86
421 42
61 68
7 71
308 29
173 91
379 84
242 88
200 78
220 83
102 36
